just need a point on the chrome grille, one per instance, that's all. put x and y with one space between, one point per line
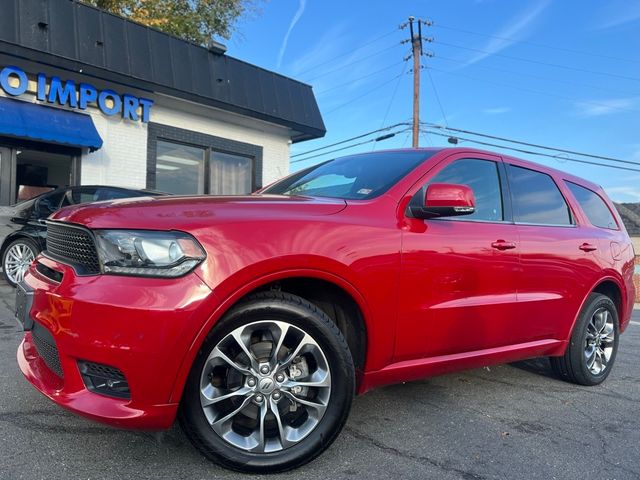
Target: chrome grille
74 246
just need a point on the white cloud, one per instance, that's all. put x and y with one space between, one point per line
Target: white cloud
294 20
496 110
620 15
331 61
324 50
624 194
595 108
515 28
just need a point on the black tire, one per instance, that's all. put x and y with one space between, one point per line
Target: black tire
572 366
28 243
313 321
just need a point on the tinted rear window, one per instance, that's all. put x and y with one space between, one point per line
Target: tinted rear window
357 177
593 206
536 198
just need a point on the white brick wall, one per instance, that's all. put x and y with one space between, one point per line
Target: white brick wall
123 158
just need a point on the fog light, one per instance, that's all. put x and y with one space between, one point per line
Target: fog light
104 379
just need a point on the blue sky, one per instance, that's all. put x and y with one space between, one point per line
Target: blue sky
350 52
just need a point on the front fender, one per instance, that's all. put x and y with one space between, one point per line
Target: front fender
32 234
246 281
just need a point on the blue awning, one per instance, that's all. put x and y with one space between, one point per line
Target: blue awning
32 121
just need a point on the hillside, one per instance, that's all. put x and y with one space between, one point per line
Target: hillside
630 213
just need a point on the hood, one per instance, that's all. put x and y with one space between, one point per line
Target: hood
176 212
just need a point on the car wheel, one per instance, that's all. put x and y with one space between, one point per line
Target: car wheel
594 343
271 387
16 259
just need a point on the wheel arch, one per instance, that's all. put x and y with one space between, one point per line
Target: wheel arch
353 321
13 236
609 286
612 290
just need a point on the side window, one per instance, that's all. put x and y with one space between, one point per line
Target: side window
83 195
48 204
593 206
113 194
482 176
536 198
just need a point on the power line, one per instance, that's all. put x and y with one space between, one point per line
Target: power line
539 77
539 92
350 52
529 144
426 137
359 78
377 139
357 137
435 90
531 152
370 91
393 95
539 62
345 65
536 44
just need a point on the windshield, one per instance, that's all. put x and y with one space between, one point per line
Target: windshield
358 177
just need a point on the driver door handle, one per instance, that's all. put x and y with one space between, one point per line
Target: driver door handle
502 245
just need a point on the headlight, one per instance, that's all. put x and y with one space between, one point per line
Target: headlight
148 253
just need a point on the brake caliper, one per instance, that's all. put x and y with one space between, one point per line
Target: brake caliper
298 369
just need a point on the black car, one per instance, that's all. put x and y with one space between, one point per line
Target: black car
23 231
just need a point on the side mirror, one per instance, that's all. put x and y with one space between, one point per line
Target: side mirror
445 200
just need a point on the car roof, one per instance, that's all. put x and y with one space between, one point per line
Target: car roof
445 151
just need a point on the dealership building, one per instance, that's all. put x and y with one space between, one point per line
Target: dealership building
87 97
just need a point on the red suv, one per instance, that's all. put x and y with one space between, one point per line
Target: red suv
255 319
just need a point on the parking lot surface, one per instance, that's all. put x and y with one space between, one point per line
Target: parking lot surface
504 422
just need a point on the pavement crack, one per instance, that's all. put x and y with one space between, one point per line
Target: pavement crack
467 475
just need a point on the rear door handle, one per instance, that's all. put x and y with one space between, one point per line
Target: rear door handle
502 245
587 247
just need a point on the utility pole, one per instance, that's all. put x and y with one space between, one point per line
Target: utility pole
416 52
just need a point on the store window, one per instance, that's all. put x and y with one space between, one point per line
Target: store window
230 174
185 162
180 168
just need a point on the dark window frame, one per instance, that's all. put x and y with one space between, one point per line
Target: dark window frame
572 217
209 143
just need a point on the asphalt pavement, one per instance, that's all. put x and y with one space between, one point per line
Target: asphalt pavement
504 422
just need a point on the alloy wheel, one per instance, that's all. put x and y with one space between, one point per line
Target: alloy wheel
17 261
599 341
265 386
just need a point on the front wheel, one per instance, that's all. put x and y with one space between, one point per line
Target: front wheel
16 259
271 387
594 344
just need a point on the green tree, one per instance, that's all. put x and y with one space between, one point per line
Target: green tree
194 20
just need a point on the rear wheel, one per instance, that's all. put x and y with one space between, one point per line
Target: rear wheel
271 387
16 259
594 343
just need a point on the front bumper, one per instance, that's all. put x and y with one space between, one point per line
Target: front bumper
142 326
